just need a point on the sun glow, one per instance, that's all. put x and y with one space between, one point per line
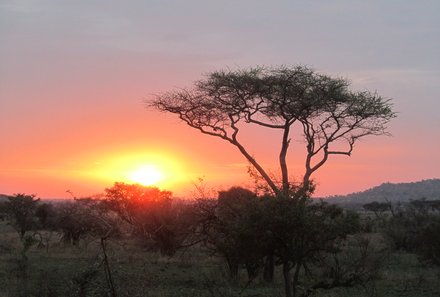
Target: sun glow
147 175
163 169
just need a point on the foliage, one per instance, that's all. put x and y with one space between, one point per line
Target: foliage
416 228
301 234
355 262
46 214
377 207
21 209
315 245
430 236
82 218
331 117
152 214
247 231
231 227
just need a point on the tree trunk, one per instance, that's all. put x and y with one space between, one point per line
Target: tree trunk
295 278
269 266
287 280
257 166
252 269
233 269
282 159
107 270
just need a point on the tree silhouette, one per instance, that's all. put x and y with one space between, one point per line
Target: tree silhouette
331 117
231 229
21 208
151 212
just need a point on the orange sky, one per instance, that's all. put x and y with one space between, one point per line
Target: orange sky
74 77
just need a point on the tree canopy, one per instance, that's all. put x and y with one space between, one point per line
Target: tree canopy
21 208
331 117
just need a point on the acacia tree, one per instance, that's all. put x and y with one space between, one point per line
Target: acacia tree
332 118
21 208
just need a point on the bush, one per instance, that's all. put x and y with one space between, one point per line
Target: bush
416 228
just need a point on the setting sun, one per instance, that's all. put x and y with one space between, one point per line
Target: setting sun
163 169
146 175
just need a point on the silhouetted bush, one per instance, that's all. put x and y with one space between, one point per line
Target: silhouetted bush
82 218
231 227
46 214
416 228
151 213
20 209
247 230
430 239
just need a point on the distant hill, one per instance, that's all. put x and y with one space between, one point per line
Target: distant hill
399 192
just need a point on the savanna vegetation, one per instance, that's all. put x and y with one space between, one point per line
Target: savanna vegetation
140 241
272 241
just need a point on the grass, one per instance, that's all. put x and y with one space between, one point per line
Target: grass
77 271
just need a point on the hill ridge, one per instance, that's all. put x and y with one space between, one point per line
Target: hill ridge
393 192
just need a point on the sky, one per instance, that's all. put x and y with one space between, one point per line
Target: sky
75 75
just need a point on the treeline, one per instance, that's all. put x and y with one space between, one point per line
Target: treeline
316 246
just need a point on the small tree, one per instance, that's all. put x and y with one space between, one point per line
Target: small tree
46 214
378 208
230 228
21 208
331 117
430 236
151 212
73 221
302 234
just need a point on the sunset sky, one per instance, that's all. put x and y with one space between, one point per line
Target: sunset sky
74 77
